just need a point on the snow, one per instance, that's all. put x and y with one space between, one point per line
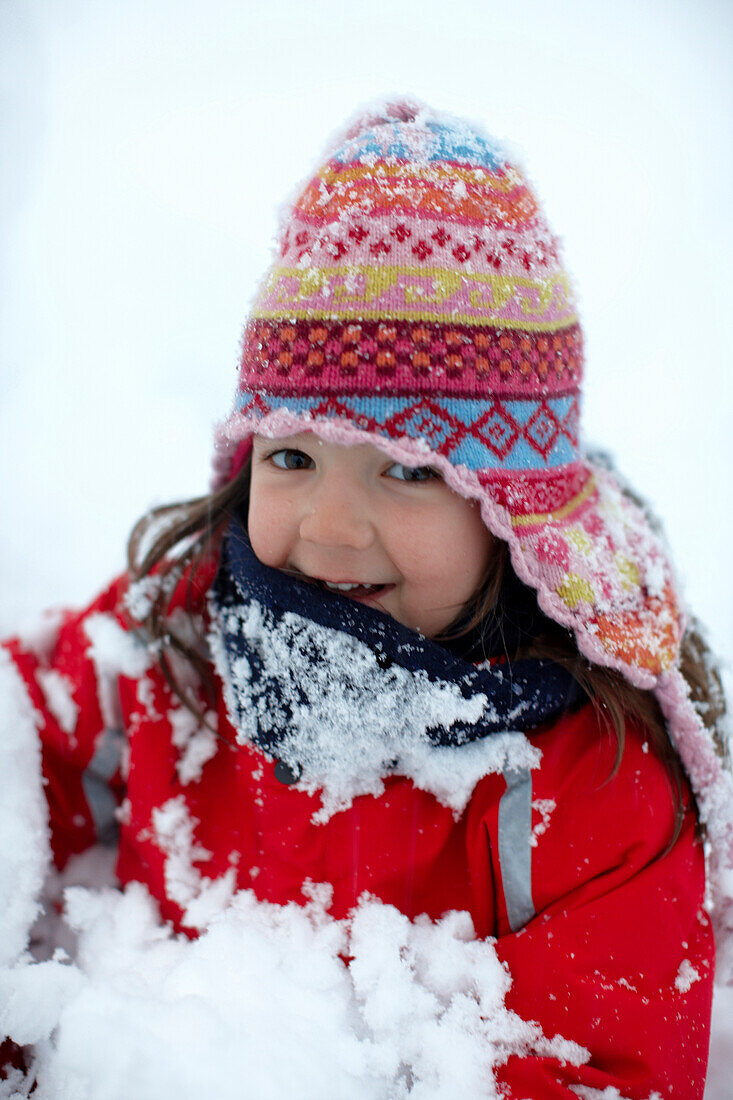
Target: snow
195 739
24 853
113 651
609 1093
57 689
687 975
199 896
263 1005
142 594
544 807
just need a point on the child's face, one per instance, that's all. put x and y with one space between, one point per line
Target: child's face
351 516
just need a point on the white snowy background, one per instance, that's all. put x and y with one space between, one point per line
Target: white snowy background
146 146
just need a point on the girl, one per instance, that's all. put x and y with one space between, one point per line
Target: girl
416 643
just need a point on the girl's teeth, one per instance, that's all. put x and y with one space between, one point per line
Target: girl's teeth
347 587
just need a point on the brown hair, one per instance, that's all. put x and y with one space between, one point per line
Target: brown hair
171 542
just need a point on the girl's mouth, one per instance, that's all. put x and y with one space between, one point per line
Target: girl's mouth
353 589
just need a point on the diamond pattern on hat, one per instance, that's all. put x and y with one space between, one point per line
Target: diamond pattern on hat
542 430
496 430
428 420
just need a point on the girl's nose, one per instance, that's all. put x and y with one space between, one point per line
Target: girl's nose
335 515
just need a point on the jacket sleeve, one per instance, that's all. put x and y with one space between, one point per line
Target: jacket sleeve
69 669
616 952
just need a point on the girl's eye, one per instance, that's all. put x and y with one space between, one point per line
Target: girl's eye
291 460
412 473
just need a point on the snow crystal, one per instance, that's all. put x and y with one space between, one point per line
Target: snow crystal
655 575
174 834
452 773
687 975
142 594
146 697
263 1005
544 807
345 720
57 689
609 1093
195 740
114 651
589 1093
201 898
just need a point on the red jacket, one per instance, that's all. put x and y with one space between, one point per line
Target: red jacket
599 914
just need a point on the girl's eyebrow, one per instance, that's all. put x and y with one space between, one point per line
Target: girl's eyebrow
263 443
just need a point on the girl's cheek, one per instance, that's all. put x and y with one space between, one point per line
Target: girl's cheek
273 526
261 529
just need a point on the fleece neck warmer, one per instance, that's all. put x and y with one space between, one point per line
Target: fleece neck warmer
328 636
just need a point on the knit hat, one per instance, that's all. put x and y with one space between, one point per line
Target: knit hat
418 301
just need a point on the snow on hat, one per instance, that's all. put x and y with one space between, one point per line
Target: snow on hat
418 301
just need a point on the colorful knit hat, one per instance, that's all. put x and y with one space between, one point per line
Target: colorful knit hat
419 302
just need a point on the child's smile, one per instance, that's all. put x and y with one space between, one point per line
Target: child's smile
353 589
356 522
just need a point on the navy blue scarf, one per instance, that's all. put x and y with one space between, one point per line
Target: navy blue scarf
522 694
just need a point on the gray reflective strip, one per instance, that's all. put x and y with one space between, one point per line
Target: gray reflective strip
515 849
95 781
